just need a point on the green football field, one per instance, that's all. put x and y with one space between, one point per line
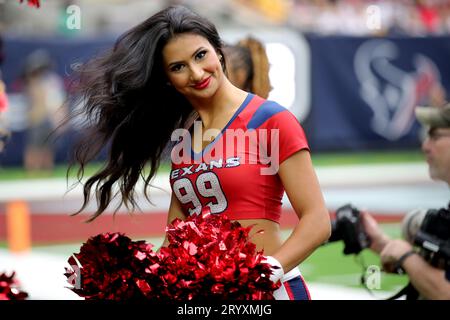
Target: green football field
319 159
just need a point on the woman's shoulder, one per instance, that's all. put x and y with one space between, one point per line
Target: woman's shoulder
266 112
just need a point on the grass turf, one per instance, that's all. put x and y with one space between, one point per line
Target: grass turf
319 160
329 265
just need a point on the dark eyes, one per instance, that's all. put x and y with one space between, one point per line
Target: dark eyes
178 67
200 55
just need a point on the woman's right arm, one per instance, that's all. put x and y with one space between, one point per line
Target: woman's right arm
175 211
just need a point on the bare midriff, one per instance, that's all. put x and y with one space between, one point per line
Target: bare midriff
265 234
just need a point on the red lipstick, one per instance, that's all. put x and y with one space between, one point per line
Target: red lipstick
203 84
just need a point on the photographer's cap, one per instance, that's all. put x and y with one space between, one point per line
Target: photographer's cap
435 117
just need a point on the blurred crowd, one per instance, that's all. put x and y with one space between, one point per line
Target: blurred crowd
347 17
371 17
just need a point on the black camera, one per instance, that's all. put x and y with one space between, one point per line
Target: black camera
430 231
348 227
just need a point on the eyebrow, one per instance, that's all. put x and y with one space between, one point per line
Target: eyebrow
193 55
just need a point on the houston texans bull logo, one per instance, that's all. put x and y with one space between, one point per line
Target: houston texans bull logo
391 92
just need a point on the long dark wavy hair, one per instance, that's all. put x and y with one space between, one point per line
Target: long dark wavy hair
127 106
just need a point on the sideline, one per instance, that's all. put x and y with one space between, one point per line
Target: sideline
347 176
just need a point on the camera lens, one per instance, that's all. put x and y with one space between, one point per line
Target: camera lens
411 224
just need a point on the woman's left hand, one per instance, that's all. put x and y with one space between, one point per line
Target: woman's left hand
277 269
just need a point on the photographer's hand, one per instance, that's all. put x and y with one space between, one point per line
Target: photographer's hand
392 252
378 238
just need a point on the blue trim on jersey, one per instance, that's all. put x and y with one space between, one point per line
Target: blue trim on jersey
267 110
247 100
298 289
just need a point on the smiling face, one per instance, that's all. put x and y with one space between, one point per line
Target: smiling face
192 66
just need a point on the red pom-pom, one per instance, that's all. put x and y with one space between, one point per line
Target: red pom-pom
215 259
111 266
208 257
32 3
9 288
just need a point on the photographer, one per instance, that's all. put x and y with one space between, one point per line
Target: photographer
429 281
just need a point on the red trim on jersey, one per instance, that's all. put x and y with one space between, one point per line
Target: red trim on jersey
288 288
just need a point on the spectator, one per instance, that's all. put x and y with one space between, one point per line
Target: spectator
248 66
45 94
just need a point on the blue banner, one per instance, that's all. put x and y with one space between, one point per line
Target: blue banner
364 90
